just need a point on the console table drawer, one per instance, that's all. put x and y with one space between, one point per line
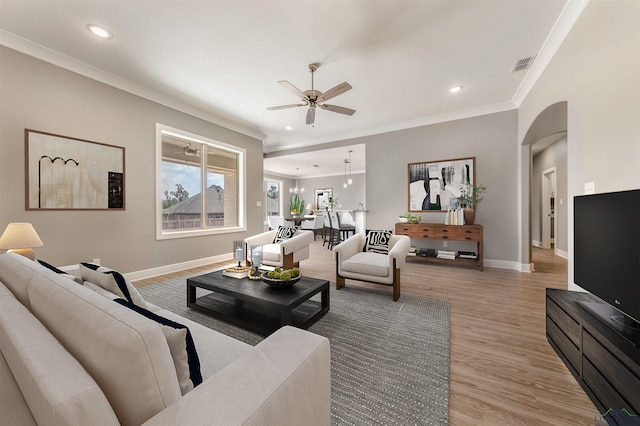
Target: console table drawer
620 377
442 232
568 349
458 234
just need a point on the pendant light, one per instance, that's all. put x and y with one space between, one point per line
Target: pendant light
345 173
350 181
296 188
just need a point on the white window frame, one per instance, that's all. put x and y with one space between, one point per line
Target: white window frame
161 234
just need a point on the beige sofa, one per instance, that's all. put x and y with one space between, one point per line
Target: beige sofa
71 356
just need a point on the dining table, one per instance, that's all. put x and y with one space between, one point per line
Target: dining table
297 220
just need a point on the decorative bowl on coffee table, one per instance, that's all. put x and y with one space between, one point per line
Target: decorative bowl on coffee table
274 282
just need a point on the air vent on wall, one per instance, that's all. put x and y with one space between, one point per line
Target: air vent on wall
523 64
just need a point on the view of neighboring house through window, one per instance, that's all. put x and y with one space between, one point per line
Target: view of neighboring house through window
190 166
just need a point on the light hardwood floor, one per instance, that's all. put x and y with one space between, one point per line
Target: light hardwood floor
503 371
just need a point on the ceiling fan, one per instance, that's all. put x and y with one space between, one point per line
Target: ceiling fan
315 98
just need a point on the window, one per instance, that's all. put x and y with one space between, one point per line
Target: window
272 198
188 166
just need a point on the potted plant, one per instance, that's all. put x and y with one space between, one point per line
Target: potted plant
470 196
332 202
296 205
410 218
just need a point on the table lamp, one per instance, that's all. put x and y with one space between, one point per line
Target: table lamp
20 238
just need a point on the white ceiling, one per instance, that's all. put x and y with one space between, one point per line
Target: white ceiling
221 59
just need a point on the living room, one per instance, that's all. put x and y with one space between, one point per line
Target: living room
594 70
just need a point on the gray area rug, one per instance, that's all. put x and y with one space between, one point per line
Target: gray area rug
389 360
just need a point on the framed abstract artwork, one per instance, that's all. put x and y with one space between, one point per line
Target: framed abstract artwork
65 173
322 196
435 185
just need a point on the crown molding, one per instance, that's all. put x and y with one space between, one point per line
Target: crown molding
565 22
426 121
37 51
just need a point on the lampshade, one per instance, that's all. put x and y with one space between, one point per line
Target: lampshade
20 238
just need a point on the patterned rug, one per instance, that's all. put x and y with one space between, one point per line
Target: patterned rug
389 360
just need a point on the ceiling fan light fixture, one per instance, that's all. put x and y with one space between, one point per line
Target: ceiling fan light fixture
315 98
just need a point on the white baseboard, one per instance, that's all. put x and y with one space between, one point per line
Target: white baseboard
176 267
536 243
501 264
160 270
563 254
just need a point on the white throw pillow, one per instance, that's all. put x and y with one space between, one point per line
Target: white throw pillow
181 345
113 281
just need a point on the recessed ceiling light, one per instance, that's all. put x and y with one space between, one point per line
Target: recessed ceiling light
289 128
99 31
455 89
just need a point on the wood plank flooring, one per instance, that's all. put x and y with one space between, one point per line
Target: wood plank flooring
503 371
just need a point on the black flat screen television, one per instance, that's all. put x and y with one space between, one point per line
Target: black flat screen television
607 257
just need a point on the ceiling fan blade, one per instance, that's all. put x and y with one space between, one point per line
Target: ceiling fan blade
311 115
273 108
333 92
294 89
338 109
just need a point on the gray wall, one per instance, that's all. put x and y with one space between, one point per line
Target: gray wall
491 138
40 96
553 156
596 71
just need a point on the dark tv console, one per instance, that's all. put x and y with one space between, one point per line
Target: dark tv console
604 363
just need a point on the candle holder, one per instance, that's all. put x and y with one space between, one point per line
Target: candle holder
256 259
238 251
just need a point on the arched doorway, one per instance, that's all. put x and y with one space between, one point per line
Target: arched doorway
546 131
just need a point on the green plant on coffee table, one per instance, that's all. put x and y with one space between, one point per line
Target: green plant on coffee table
411 218
296 205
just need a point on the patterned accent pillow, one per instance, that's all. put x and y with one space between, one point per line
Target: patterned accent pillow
113 281
59 271
284 233
181 345
377 241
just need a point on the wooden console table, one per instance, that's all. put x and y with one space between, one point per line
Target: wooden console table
438 231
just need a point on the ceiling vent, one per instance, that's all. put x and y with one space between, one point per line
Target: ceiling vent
523 64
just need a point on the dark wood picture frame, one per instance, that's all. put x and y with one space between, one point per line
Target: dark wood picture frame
435 185
66 173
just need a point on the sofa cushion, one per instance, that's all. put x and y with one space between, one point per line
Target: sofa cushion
60 272
54 385
377 241
16 272
181 345
215 350
126 354
113 281
14 408
271 253
367 263
284 233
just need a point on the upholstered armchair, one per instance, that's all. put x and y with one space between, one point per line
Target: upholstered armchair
286 254
371 266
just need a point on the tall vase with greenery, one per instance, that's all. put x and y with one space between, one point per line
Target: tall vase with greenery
470 197
296 205
332 203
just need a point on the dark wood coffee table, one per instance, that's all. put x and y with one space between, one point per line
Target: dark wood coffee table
256 306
